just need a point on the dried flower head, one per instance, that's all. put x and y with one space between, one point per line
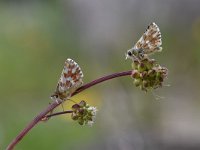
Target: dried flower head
83 113
147 74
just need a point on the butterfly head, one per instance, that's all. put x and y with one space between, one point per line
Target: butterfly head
135 54
131 53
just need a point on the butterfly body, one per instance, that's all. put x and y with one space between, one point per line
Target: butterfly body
70 80
149 43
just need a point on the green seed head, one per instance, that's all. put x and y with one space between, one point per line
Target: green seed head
148 74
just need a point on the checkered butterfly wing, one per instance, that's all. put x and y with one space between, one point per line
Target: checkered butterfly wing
70 80
151 40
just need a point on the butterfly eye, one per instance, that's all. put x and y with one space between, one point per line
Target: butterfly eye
129 53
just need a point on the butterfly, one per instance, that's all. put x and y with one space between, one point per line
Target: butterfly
149 43
70 80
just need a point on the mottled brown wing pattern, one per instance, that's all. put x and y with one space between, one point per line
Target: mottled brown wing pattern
70 80
151 40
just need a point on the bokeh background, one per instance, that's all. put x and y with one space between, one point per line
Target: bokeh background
36 37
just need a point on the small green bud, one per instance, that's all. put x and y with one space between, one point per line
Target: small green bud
82 103
160 79
143 88
75 107
149 65
137 82
89 118
141 67
145 83
74 116
87 106
143 74
135 74
152 61
164 71
158 74
81 111
145 61
135 64
81 122
151 73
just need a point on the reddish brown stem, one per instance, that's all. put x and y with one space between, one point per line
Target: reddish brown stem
59 113
54 104
94 82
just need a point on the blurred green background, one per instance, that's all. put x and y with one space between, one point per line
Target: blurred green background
36 37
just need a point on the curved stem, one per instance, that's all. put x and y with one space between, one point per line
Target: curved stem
54 104
102 79
31 125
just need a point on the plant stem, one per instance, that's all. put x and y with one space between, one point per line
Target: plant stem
59 113
54 104
102 79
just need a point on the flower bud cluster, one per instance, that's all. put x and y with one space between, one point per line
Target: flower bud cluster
83 113
147 74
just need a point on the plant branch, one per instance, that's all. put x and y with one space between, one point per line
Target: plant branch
102 79
59 113
54 104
